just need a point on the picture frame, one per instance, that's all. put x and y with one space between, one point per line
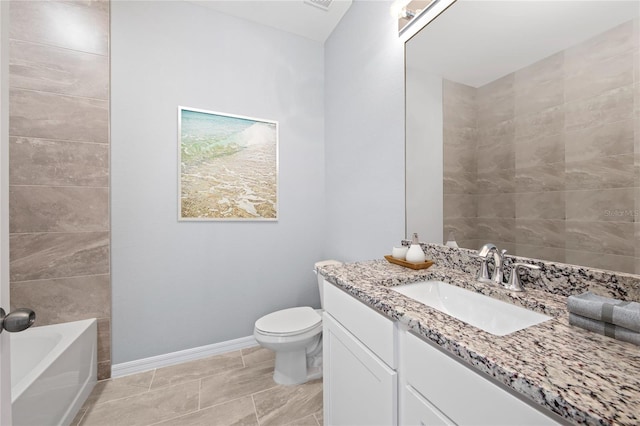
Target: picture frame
227 167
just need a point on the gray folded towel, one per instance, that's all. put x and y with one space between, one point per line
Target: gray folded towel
605 329
614 311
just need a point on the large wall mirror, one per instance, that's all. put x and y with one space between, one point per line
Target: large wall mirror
529 113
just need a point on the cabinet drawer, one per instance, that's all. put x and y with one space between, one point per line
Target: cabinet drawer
371 328
445 382
420 412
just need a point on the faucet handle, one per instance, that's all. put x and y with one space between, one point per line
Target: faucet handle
483 255
514 280
483 273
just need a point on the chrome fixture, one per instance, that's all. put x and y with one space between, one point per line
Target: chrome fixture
399 9
514 280
406 12
17 320
498 260
483 254
498 272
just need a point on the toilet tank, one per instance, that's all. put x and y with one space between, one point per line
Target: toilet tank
320 279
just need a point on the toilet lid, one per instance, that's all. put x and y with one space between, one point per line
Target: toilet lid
287 321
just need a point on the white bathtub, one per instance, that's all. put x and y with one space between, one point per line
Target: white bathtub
53 370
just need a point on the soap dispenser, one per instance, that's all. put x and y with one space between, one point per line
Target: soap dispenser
415 253
451 240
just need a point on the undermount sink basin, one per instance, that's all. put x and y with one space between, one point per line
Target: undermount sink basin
488 314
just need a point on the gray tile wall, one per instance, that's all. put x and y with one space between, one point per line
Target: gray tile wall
557 155
59 163
459 152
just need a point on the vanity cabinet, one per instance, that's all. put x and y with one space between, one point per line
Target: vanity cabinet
377 373
360 382
440 390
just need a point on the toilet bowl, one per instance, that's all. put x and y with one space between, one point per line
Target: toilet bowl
295 335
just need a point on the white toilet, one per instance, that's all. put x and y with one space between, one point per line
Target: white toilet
295 335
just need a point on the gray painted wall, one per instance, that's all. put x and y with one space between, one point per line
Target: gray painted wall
364 133
183 285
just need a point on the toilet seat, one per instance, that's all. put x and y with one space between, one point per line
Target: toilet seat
289 322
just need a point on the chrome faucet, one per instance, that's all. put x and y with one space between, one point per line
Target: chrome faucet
514 283
498 260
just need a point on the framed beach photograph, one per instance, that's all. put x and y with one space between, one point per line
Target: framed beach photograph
228 167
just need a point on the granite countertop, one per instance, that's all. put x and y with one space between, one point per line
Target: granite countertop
582 376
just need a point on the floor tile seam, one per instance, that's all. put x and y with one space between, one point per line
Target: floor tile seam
227 402
172 418
241 396
264 361
97 403
170 385
198 378
153 376
145 387
265 390
295 422
205 408
199 360
253 395
239 368
255 410
143 391
138 395
317 420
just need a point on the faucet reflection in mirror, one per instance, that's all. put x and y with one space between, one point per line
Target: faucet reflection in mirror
545 160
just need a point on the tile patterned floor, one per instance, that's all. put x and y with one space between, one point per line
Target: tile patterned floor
235 388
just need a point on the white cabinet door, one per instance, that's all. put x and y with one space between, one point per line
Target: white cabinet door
359 389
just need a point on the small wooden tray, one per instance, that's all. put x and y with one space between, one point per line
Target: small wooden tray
421 265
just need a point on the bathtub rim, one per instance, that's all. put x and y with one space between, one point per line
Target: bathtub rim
70 331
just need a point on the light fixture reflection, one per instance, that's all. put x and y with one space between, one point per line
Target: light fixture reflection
399 10
406 12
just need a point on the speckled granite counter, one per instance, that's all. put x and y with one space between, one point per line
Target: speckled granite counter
583 377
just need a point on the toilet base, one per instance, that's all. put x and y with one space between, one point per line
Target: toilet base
298 366
291 367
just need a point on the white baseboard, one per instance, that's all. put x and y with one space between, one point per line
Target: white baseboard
173 358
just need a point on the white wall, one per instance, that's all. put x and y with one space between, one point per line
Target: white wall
183 285
364 133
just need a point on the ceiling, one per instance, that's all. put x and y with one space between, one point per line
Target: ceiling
476 42
294 16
